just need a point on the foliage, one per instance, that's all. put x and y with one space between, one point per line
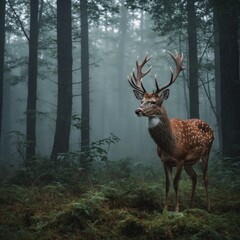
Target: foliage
117 200
170 16
98 150
18 140
97 9
69 168
117 209
225 172
162 14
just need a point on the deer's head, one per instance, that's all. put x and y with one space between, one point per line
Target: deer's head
151 102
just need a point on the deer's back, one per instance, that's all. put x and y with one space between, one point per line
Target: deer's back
193 139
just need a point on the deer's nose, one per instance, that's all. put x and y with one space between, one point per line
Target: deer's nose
138 111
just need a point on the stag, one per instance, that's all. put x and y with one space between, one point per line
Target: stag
180 143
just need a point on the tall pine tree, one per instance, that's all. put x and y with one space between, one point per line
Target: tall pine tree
227 15
32 82
85 116
2 48
64 99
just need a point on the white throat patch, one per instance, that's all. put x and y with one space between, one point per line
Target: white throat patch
153 122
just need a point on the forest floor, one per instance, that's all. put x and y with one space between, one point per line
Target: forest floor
120 208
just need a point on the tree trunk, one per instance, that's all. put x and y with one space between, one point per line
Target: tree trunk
227 17
193 59
85 134
64 101
120 68
122 49
2 48
32 82
217 78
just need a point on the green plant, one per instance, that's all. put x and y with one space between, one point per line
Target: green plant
18 140
98 150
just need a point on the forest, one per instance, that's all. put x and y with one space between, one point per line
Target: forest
76 161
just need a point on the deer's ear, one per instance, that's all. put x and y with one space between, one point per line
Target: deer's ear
138 95
164 94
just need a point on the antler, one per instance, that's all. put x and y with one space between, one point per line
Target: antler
178 61
136 81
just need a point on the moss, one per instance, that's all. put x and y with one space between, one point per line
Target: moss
146 197
131 227
13 193
114 210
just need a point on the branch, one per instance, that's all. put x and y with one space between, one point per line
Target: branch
77 95
19 20
208 97
42 100
93 63
203 83
77 83
40 15
52 9
205 49
42 75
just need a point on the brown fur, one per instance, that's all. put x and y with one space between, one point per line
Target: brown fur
180 144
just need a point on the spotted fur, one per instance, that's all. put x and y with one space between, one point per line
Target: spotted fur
180 143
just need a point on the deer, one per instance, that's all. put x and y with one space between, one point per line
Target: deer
180 143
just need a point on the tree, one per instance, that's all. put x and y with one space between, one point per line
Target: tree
193 59
227 14
2 47
178 20
217 76
32 81
121 61
64 99
85 116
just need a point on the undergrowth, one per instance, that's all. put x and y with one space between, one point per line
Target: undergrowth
117 200
85 195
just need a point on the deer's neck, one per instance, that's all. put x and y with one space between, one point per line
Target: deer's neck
160 130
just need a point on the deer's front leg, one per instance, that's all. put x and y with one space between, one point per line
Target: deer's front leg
175 185
168 174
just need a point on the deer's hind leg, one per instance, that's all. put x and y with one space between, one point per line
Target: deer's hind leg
192 174
204 164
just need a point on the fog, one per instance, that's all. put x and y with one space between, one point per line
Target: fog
114 46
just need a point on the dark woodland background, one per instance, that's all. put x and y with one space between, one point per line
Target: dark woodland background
75 161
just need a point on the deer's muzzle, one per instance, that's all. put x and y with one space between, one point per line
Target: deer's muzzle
139 112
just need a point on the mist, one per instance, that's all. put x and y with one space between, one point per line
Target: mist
77 161
114 45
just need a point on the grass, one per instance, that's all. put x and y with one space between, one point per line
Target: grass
128 208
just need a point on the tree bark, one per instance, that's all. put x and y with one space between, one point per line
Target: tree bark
85 116
121 66
2 48
227 12
217 77
64 101
32 82
193 59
